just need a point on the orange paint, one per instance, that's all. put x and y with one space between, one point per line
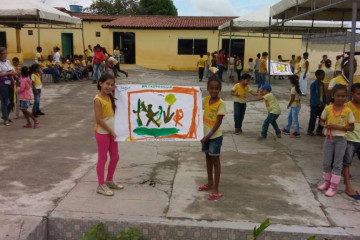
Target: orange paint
192 134
178 116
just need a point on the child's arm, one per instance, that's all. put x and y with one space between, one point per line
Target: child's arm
234 93
99 120
253 93
349 127
259 98
292 99
214 129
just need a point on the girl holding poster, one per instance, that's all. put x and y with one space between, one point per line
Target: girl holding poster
104 108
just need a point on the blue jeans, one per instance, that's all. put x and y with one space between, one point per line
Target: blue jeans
292 69
221 69
239 113
261 80
315 112
213 146
97 70
201 73
36 106
7 100
293 117
271 119
54 72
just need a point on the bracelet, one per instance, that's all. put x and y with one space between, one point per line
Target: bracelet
210 134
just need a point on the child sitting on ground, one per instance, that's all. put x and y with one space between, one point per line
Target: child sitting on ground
273 109
214 111
239 92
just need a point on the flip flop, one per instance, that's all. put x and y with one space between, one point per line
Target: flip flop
36 124
27 126
214 196
355 196
203 188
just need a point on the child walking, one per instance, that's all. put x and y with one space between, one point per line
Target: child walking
295 106
104 108
214 111
36 87
353 140
273 108
201 66
24 91
337 118
239 92
317 103
251 68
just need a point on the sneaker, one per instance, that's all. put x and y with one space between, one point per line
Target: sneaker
104 190
295 135
238 131
278 135
40 113
284 131
114 185
260 138
311 134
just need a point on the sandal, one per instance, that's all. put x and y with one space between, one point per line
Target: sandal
215 196
27 126
356 196
7 123
203 188
36 124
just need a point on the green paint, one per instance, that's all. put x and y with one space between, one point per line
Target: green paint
170 99
155 132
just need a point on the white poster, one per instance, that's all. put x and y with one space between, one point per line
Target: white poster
157 112
280 68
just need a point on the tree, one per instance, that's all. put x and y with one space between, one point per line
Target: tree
114 7
157 7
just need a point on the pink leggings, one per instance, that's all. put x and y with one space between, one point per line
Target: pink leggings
106 144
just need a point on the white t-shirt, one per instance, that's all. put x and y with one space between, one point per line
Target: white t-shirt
56 57
6 67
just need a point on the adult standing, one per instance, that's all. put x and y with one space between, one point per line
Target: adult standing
304 73
98 60
56 56
220 63
7 73
262 70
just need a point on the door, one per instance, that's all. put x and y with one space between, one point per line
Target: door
67 44
3 39
237 47
126 43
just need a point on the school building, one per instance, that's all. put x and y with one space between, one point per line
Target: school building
155 42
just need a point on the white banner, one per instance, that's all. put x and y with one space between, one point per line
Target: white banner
157 112
280 68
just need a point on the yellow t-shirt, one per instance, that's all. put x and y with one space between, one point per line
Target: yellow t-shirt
322 66
303 65
329 74
354 136
106 110
37 80
262 65
83 63
88 53
293 63
65 66
117 53
211 111
297 101
341 79
201 62
271 104
298 69
50 64
241 91
338 66
208 60
43 65
342 118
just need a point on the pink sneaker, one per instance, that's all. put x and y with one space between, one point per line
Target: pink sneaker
334 182
326 184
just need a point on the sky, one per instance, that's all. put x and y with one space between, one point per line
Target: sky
193 7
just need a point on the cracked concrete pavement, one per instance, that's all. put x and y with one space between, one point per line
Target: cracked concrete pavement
50 171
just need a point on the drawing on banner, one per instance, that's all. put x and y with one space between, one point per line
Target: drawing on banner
280 68
158 113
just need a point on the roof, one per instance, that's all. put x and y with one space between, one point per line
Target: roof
167 22
334 10
20 12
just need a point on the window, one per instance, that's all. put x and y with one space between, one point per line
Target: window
2 39
30 32
97 34
192 46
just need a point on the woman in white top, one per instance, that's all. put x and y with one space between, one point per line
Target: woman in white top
7 73
56 55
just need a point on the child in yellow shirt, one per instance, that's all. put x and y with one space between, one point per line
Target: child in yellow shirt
337 119
239 92
201 66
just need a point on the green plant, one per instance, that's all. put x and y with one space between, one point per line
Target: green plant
258 231
98 232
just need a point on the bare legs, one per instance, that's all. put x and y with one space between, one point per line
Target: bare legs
213 162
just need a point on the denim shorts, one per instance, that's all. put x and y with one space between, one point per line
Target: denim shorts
351 149
213 146
24 104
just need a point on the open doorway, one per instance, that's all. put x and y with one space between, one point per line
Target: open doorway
3 39
237 47
67 44
126 43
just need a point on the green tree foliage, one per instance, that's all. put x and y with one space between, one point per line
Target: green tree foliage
114 7
158 7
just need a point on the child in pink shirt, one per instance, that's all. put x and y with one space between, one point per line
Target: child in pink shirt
24 90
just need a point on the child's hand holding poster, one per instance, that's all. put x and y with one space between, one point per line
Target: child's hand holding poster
152 112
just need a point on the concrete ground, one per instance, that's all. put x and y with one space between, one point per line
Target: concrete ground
50 171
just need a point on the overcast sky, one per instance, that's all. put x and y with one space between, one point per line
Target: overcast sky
193 7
